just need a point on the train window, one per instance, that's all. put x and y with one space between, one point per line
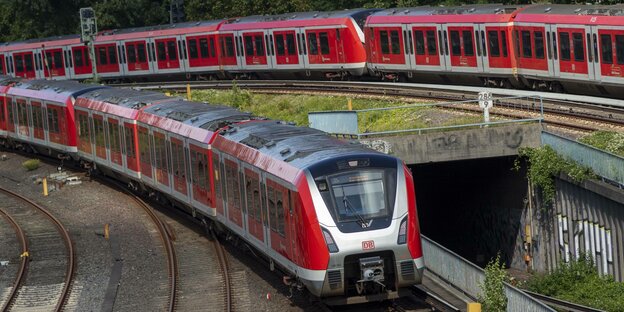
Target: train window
172 51
290 44
233 186
468 45
548 45
129 142
324 41
160 152
83 126
19 63
192 46
259 45
162 54
538 38
455 43
141 52
58 59
102 56
177 160
279 44
554 39
223 47
383 38
431 43
37 112
113 135
98 125
253 197
53 120
419 38
579 49
394 41
441 44
589 50
78 58
28 62
272 208
212 48
22 118
249 45
493 43
526 44
112 55
312 43
279 207
564 46
144 148
229 46
619 49
203 48
131 53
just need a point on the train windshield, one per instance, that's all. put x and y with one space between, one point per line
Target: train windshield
360 195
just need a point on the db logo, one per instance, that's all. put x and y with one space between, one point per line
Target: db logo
368 245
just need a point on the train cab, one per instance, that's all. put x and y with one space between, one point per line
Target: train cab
465 44
42 112
320 44
6 82
571 47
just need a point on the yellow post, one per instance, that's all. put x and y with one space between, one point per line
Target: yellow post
188 91
106 231
474 307
350 104
45 186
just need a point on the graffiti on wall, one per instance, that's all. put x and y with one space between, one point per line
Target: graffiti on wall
595 240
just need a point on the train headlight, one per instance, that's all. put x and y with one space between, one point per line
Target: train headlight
402 232
329 240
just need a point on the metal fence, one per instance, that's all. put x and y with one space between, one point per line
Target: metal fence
466 276
604 164
352 122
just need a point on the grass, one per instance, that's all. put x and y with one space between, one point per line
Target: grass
609 141
31 164
295 108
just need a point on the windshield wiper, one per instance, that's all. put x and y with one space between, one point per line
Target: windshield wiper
349 206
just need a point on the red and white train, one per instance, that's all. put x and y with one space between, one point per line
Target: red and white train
576 48
339 218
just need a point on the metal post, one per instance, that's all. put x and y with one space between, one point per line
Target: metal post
45 186
188 91
88 26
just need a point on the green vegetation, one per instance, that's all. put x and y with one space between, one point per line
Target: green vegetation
609 141
31 164
545 164
579 282
493 297
295 108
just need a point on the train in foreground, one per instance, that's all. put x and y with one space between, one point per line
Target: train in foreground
338 218
572 48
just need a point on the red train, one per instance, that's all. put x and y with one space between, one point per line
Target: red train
338 218
575 48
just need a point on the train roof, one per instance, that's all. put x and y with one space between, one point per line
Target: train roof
156 28
36 43
457 14
575 9
68 87
128 98
301 147
198 114
297 19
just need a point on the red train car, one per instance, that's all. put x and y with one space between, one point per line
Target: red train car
41 112
6 82
320 44
578 48
468 44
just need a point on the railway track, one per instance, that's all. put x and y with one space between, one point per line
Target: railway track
563 112
44 279
562 305
223 263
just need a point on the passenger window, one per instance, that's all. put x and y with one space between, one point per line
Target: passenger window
192 46
517 40
272 209
172 51
58 59
28 62
383 39
212 48
259 45
324 41
493 43
564 46
229 46
526 44
279 45
203 48
431 43
419 39
619 49
468 46
455 43
394 41
131 53
281 220
112 55
19 63
290 44
539 44
579 49
312 43
129 142
141 52
162 54
249 51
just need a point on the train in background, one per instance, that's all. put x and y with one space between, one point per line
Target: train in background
338 218
560 48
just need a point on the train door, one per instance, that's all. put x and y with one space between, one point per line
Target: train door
482 51
167 57
462 48
573 58
130 147
427 53
22 118
232 191
552 49
81 61
253 203
100 137
83 131
200 173
24 65
161 163
278 202
254 47
408 45
36 112
218 183
302 49
322 47
592 49
610 63
137 62
54 63
179 165
230 53
145 153
183 53
286 55
106 58
293 216
114 142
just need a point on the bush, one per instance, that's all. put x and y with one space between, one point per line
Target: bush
579 282
31 164
493 298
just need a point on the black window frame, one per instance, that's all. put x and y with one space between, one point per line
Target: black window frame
419 41
578 46
493 43
538 41
564 46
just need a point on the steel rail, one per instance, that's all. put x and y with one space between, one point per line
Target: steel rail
562 304
23 266
69 275
225 270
